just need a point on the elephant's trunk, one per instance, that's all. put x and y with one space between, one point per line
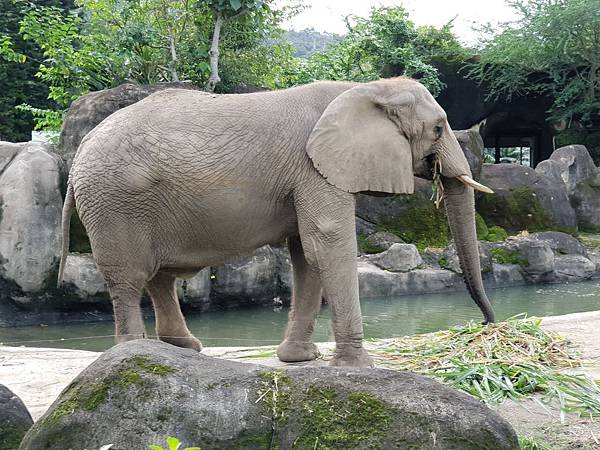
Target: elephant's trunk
460 208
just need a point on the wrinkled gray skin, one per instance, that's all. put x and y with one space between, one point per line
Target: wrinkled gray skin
183 180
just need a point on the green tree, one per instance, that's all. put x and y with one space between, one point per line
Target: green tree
103 43
19 62
554 50
385 43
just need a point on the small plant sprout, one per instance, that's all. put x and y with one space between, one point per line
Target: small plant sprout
172 444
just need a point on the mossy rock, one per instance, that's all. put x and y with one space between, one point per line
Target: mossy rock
15 420
421 222
213 403
518 210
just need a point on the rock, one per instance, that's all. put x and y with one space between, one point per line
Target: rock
539 257
364 227
568 268
449 259
524 199
561 243
504 275
252 279
15 420
472 145
553 169
375 282
83 276
139 392
575 163
195 291
89 110
30 213
398 258
586 200
382 240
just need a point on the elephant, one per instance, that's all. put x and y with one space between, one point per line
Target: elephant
183 180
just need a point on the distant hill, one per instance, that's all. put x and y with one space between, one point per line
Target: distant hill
309 41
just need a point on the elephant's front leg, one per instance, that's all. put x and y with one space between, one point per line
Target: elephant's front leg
306 303
327 231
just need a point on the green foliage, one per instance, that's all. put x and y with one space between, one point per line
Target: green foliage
514 359
504 256
480 227
554 49
104 43
526 443
19 62
496 234
172 444
385 43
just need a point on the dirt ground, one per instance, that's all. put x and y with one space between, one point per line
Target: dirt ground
38 375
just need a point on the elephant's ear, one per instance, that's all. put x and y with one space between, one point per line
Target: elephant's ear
356 146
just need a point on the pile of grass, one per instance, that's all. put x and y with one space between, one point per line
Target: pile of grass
509 360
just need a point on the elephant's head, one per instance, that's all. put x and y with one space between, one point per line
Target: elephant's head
376 136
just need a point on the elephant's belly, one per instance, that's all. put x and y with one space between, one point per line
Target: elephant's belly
228 235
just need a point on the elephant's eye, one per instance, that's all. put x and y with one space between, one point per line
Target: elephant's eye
438 130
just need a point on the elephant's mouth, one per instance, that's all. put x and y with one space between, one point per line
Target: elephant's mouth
426 167
428 172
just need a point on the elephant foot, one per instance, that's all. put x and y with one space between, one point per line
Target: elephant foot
292 351
184 342
354 358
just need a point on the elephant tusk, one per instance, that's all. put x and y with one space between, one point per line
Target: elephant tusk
474 184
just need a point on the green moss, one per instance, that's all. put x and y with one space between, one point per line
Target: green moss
364 246
11 436
327 419
517 211
335 421
481 227
80 397
421 223
150 366
589 240
129 376
443 262
90 396
496 234
504 256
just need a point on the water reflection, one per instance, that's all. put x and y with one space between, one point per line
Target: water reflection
383 317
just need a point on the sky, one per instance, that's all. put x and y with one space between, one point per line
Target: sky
327 15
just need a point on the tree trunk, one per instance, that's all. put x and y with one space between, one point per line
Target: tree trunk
173 61
214 55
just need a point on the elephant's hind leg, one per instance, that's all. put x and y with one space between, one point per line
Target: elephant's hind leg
170 323
126 298
306 303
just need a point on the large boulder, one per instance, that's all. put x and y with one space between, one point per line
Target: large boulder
30 214
586 201
375 282
524 199
575 163
15 420
139 392
89 110
472 144
398 258
262 277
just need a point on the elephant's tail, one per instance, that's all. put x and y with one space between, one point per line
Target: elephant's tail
66 227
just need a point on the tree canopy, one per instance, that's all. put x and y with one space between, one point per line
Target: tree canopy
386 43
554 50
